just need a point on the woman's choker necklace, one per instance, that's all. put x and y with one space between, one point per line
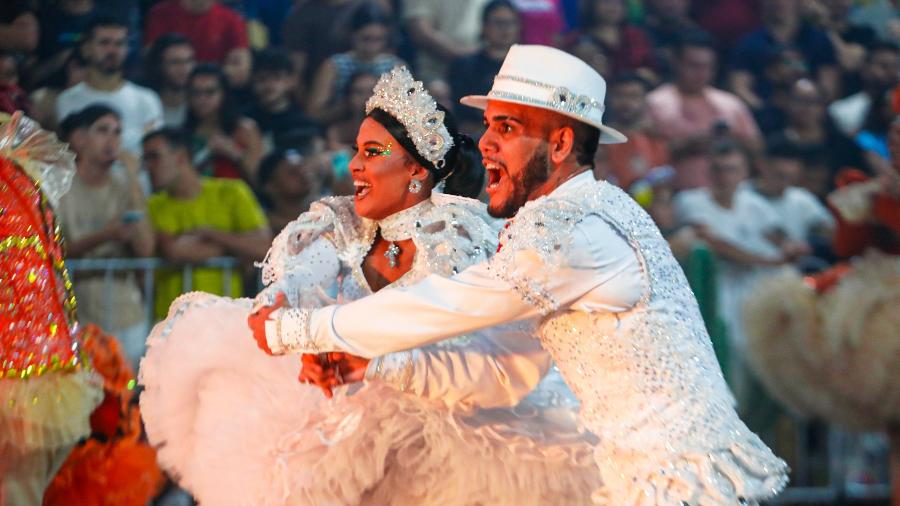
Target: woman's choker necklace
400 226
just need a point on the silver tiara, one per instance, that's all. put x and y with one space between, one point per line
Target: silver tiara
404 98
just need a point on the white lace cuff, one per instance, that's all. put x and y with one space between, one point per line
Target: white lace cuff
288 332
396 369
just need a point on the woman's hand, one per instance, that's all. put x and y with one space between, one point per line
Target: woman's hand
257 322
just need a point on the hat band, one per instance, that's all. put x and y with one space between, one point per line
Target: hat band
559 98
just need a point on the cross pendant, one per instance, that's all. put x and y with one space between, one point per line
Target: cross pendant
392 252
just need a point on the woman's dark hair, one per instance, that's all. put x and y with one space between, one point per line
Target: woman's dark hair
154 76
495 5
462 172
369 13
229 114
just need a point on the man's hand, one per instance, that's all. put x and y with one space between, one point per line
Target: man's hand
328 370
257 322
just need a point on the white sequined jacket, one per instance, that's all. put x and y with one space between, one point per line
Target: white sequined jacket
622 325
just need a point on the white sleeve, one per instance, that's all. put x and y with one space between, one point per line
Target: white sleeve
496 367
601 273
310 273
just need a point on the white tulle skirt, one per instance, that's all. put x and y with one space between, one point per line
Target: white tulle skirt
235 427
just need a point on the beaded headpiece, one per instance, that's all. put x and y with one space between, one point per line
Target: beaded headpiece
404 98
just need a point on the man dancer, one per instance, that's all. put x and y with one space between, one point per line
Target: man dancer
617 313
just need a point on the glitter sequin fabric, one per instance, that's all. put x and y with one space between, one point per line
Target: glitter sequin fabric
648 380
410 437
46 391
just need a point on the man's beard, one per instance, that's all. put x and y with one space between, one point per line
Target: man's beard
535 173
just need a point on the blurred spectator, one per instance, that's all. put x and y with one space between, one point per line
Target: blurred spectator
44 98
872 139
784 68
64 25
169 63
270 14
315 30
474 74
238 71
19 28
803 218
726 20
592 52
879 73
818 173
741 228
442 31
197 218
12 96
104 215
342 134
664 22
883 16
633 160
808 128
215 31
105 48
627 47
223 142
850 40
782 26
371 34
290 180
279 119
690 111
542 21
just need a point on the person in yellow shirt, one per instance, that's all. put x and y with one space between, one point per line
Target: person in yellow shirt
198 218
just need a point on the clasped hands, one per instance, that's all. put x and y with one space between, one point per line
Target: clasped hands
325 370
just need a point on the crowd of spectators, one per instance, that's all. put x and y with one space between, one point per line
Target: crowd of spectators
202 127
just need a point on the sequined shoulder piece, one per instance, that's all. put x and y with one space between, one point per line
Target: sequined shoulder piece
455 233
331 217
543 227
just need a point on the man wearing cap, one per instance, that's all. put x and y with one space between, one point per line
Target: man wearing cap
613 306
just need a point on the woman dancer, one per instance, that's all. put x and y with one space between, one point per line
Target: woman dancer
430 427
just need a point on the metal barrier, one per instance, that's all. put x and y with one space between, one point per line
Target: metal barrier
146 268
836 492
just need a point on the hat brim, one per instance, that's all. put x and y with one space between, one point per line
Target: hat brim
607 135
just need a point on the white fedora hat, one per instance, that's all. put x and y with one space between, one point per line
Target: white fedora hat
547 78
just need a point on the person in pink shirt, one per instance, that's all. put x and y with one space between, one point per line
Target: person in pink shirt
690 111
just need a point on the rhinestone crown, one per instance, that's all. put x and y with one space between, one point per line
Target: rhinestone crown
404 98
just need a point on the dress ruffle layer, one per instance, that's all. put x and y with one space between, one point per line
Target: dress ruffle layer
48 411
746 473
237 428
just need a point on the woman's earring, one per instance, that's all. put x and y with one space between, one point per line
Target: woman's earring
415 186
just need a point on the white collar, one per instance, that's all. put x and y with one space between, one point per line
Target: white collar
585 177
401 225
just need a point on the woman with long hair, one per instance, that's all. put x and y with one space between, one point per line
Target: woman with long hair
225 143
442 424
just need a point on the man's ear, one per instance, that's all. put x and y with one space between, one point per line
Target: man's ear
561 143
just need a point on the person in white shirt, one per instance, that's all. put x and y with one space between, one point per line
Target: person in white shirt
880 72
803 219
105 48
614 308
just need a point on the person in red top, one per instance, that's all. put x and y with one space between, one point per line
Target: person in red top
631 161
216 31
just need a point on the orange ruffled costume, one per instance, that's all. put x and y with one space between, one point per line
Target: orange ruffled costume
115 467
